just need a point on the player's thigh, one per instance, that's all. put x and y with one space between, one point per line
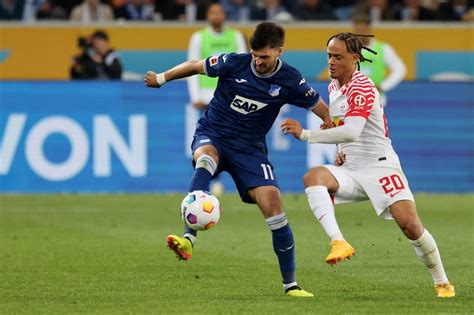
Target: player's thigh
268 200
348 189
320 176
385 187
205 145
249 171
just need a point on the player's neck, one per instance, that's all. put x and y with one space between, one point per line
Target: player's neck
345 79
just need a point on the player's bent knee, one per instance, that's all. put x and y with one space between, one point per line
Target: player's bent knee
209 150
268 200
404 213
317 176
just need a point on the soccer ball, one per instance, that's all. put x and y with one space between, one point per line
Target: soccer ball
200 210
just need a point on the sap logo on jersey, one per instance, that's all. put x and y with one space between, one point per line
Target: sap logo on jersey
245 105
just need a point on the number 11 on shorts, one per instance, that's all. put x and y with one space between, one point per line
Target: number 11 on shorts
267 171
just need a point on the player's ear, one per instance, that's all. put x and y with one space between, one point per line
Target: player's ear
279 51
356 58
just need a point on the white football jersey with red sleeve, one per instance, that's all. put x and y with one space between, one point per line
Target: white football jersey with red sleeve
359 97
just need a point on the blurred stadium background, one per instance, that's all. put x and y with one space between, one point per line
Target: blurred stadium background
89 136
62 136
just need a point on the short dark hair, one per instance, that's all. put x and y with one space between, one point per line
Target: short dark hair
267 34
100 34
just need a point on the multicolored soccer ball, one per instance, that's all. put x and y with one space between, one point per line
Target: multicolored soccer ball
200 210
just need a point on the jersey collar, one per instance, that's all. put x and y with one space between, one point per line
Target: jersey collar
267 75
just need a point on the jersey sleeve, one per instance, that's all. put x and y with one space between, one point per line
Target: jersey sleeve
218 66
360 98
304 95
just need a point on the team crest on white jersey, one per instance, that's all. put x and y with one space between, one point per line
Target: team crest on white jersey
245 105
274 90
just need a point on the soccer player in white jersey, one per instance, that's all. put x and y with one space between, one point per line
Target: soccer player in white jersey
367 167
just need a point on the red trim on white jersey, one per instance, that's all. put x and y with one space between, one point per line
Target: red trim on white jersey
333 86
360 93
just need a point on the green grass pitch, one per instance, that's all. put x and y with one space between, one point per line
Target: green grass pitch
107 254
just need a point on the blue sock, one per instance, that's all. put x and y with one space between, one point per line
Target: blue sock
201 180
284 247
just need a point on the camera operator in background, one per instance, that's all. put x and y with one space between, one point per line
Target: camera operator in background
97 61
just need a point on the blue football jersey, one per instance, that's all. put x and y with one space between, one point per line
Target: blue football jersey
246 103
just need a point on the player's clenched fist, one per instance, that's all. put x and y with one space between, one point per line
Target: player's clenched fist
151 79
340 158
292 127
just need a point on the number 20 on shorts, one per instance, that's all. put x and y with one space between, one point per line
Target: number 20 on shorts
392 183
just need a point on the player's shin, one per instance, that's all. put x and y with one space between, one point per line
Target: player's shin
427 251
205 169
201 179
284 247
323 209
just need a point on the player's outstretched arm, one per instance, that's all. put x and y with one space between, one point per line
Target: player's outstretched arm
322 111
349 132
183 70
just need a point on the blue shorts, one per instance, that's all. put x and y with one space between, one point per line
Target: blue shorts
248 169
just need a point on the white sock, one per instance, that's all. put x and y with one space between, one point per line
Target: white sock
323 209
427 250
191 237
286 286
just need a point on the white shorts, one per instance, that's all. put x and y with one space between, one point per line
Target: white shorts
382 185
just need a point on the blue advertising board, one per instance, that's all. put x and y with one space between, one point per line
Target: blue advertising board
123 137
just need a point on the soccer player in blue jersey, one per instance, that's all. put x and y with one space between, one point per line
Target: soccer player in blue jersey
231 135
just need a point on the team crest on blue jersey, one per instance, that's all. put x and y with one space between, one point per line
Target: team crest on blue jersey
274 90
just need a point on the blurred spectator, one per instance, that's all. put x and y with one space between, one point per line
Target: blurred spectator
183 10
236 10
48 10
272 10
343 8
136 10
456 10
97 61
314 10
412 10
92 11
11 9
377 10
387 69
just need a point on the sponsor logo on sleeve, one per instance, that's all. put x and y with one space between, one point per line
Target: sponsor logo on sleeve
245 105
359 102
311 93
213 60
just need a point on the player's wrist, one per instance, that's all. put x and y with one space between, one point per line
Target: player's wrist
160 78
304 135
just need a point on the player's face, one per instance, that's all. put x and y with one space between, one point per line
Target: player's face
341 63
265 60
